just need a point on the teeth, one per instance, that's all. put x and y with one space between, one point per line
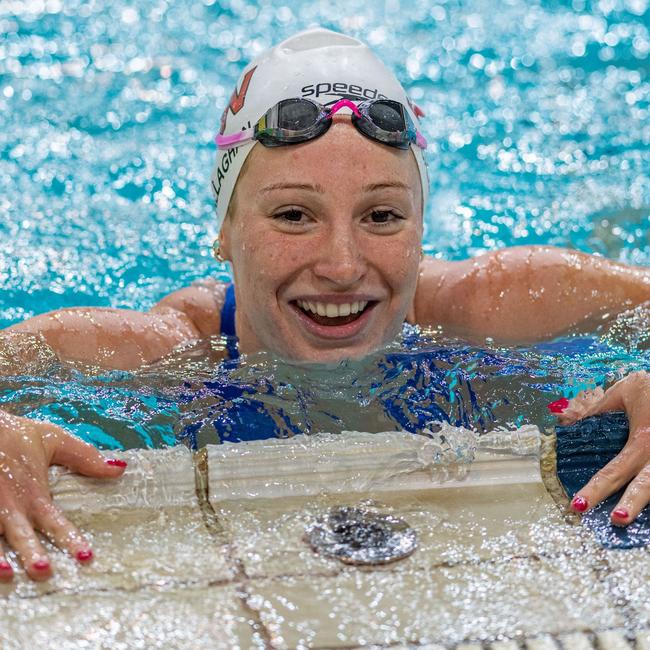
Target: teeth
332 311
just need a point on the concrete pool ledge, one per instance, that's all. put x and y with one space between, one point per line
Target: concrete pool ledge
303 466
362 462
206 550
153 478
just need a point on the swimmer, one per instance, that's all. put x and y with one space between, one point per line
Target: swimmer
321 185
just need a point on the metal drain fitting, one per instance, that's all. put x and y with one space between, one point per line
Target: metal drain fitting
359 536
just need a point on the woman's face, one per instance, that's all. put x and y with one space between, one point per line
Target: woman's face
324 242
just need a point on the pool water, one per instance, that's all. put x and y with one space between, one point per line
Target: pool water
538 115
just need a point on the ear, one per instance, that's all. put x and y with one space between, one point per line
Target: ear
225 238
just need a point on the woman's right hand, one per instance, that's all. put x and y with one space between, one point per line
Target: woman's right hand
27 449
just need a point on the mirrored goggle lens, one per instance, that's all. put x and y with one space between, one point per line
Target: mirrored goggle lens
296 114
387 116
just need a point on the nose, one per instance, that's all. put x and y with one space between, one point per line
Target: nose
341 261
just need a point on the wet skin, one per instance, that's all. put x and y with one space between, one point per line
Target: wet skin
292 239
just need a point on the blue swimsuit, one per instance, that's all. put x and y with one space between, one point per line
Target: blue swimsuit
228 312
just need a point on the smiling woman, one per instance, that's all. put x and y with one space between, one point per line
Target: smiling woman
321 275
320 209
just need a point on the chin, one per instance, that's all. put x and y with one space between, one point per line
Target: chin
333 355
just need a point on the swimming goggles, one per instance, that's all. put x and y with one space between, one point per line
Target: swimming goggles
292 121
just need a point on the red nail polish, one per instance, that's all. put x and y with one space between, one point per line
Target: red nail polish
6 567
41 565
579 503
558 406
116 462
85 555
621 513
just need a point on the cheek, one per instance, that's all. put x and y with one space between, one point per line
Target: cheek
267 258
285 252
399 259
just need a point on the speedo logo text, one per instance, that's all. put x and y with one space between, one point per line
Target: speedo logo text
338 88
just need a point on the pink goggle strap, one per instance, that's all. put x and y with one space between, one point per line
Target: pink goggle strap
230 141
344 103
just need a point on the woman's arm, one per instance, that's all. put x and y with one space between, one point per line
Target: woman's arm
123 339
110 338
527 293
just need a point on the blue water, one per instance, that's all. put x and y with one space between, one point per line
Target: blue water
538 115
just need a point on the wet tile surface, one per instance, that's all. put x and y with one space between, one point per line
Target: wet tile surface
267 535
453 526
210 618
135 548
443 605
628 580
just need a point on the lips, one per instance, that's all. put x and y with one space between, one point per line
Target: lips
333 321
332 310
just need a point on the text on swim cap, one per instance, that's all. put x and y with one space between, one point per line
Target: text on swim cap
222 169
224 165
350 91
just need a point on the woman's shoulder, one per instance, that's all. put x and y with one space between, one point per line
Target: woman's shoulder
201 302
431 302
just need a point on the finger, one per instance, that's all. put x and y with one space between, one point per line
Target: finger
21 537
70 451
616 398
608 480
6 570
634 499
593 403
51 521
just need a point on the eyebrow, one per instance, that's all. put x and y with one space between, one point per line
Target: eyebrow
373 187
319 189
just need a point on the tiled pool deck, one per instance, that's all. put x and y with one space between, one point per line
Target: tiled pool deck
188 556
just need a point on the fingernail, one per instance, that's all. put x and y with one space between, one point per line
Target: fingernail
85 555
621 513
5 566
579 503
116 462
41 565
558 406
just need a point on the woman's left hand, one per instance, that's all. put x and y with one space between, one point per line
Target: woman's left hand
632 465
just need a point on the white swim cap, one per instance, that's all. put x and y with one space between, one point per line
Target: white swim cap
319 64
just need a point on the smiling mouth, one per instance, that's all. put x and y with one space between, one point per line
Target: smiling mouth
332 315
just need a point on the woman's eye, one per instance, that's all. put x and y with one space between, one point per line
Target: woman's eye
383 216
293 216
